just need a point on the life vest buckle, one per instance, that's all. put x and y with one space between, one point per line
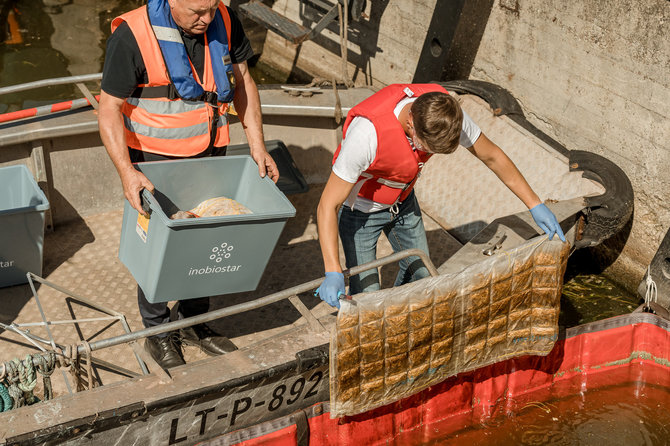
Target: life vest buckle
211 98
172 93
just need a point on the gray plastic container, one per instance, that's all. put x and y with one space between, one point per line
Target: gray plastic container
22 208
197 257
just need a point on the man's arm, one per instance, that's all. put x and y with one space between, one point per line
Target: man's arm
110 122
332 197
496 160
248 107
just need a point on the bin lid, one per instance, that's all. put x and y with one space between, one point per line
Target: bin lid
291 180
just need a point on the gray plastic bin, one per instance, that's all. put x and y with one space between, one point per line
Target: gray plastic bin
22 207
188 258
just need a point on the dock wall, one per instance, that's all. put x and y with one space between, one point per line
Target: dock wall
592 75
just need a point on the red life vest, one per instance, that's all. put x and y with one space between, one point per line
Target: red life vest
396 167
170 126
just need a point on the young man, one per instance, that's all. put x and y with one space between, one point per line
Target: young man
171 69
387 140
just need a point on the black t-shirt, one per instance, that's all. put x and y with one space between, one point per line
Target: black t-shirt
124 67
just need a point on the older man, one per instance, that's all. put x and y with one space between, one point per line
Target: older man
172 68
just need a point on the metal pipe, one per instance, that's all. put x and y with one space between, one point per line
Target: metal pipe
50 82
257 303
69 321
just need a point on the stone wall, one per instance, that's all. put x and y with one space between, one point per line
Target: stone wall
593 75
382 46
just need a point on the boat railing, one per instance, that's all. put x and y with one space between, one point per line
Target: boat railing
130 337
274 105
89 98
80 79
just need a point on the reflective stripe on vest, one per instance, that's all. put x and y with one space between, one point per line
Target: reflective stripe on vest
164 107
167 34
153 124
396 166
163 133
384 181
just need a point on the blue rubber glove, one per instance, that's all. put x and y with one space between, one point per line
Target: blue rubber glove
546 220
331 289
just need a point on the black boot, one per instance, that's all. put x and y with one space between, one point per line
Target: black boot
208 341
165 350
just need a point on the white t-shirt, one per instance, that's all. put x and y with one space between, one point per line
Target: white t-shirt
359 149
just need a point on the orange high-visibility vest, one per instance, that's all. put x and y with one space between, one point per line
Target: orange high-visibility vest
396 167
164 125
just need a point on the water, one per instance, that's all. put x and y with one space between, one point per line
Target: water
631 414
590 296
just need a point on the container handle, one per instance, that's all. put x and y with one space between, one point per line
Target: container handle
148 201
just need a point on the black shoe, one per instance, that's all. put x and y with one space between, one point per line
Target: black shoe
208 341
166 350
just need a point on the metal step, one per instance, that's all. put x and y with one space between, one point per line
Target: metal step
280 24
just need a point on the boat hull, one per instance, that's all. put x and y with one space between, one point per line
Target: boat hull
626 349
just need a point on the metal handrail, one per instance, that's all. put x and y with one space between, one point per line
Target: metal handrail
51 82
254 304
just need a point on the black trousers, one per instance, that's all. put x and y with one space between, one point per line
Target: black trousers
159 313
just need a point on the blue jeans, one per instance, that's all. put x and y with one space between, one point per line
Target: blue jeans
359 232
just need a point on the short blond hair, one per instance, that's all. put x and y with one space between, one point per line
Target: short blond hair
438 120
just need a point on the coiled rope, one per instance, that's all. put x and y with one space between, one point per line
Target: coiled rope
12 377
19 379
27 379
5 399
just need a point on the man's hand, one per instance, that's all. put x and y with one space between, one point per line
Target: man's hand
248 106
546 220
266 165
110 121
331 289
133 182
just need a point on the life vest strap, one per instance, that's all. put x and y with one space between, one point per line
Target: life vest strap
170 92
158 92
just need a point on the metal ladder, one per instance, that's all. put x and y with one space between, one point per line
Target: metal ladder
262 14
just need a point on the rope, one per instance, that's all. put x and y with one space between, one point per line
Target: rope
45 367
344 26
89 369
651 292
27 378
20 380
320 82
13 380
338 104
5 399
69 362
73 366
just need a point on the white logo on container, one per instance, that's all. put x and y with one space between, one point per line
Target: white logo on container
221 252
218 254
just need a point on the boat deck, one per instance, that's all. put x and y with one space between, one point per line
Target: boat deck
81 256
